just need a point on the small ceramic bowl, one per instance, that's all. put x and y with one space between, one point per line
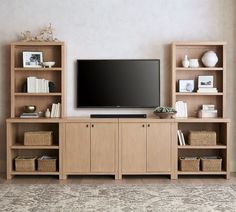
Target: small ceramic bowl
29 109
49 64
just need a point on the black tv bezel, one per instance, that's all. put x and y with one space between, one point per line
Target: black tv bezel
77 84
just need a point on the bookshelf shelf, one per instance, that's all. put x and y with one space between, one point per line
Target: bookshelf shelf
199 94
200 69
34 173
21 146
203 147
38 94
202 173
38 69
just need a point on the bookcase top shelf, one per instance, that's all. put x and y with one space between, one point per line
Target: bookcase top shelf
37 43
199 43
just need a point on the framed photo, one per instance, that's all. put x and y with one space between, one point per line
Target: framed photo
205 81
186 85
32 59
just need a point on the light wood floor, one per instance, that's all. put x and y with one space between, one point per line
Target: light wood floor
125 180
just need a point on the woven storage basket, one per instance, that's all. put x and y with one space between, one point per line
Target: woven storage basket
189 165
202 138
47 164
25 163
211 164
39 138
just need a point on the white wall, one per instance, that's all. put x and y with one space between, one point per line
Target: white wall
117 29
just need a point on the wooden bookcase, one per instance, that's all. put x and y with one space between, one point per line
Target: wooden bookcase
52 51
195 100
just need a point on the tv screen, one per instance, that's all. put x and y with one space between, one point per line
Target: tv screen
118 83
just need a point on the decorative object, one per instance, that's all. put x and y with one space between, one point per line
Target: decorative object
202 138
186 85
165 112
209 59
211 164
38 138
185 62
47 113
45 34
193 63
205 81
189 164
32 59
30 108
49 64
47 164
25 163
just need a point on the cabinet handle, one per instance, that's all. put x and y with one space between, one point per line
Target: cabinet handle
143 125
92 125
87 125
148 125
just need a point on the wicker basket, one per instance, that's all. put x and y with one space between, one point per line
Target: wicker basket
211 164
189 164
202 138
47 164
39 138
25 163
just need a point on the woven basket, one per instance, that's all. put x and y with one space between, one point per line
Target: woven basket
211 164
39 138
189 165
202 138
47 164
25 163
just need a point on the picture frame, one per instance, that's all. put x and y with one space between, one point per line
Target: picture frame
32 59
186 85
205 81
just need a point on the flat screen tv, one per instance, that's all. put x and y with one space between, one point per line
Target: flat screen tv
118 83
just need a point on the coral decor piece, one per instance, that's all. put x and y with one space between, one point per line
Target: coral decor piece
45 34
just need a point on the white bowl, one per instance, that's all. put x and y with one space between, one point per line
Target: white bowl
49 64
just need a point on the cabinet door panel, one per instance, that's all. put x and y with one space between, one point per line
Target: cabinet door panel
103 147
159 147
133 145
77 147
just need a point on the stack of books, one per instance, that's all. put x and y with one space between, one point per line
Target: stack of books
35 85
29 115
56 110
181 108
181 138
207 90
208 111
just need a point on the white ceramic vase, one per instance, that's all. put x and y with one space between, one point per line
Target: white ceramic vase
209 59
47 113
185 62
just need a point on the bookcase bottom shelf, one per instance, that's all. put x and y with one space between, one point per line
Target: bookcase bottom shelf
202 173
34 173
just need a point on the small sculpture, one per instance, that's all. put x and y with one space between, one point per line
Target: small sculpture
185 62
46 34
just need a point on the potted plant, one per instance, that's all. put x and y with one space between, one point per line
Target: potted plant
164 112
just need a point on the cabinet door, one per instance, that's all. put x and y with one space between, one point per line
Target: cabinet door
133 145
104 138
158 147
77 147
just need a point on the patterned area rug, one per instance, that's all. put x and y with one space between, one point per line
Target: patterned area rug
74 197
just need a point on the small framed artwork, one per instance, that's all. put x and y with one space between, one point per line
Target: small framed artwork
205 81
186 85
32 59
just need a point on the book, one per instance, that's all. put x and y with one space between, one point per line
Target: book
179 138
29 115
182 137
214 90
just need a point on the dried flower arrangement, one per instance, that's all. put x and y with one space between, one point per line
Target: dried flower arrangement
46 34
